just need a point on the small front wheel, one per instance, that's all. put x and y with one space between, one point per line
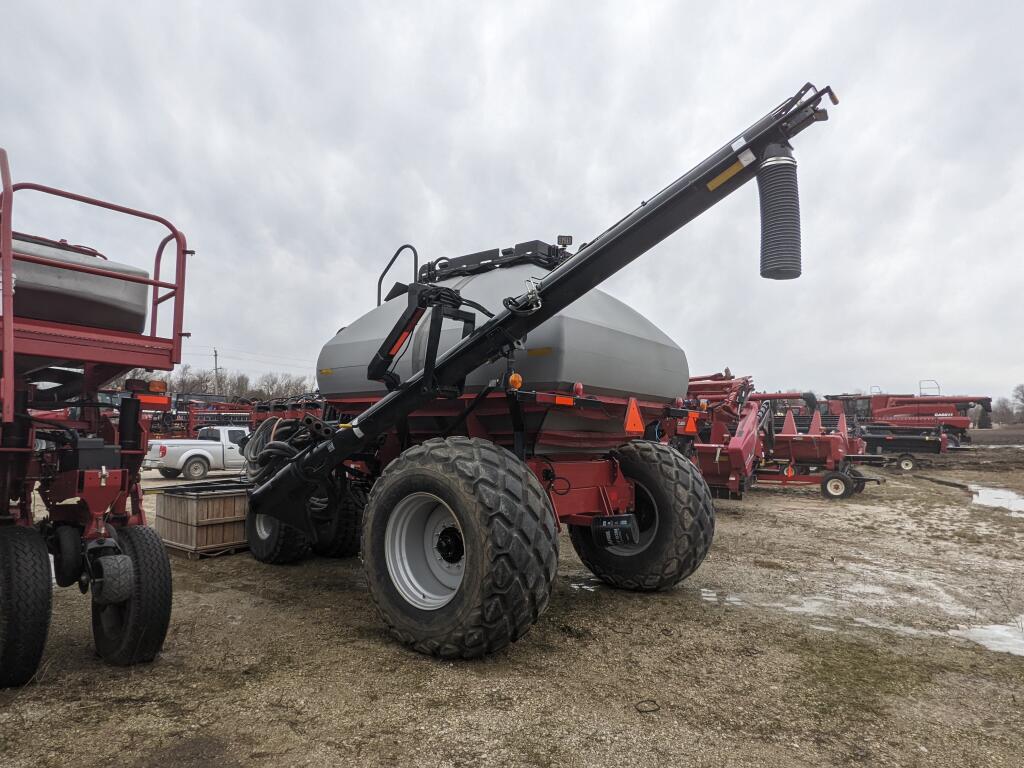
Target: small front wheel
836 485
460 547
132 631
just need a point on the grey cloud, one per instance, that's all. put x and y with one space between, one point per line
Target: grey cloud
298 144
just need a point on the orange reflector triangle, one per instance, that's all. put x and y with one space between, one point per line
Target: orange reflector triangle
691 423
634 422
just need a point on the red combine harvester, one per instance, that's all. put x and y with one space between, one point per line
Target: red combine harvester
72 321
907 413
742 437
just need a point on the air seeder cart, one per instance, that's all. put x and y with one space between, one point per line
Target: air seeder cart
72 320
494 413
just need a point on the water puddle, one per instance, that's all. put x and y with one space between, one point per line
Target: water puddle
585 584
998 497
1005 638
710 596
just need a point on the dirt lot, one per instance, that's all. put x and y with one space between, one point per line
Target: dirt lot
884 630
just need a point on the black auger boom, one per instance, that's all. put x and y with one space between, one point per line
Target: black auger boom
762 150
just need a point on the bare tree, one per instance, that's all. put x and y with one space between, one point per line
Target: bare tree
1018 398
1003 411
233 384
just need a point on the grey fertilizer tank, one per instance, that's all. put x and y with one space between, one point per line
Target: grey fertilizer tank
599 341
44 292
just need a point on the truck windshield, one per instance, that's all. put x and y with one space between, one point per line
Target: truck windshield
210 433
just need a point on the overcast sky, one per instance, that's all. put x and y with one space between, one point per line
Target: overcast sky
297 144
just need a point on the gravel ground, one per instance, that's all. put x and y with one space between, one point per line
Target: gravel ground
882 630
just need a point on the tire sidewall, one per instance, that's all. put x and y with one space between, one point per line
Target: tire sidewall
262 548
661 546
195 461
402 615
123 646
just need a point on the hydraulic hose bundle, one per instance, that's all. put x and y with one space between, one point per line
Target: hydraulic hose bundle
274 443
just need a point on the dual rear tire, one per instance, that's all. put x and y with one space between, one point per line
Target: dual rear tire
130 613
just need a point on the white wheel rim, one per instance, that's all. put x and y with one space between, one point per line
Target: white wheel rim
906 464
836 486
263 527
424 550
649 526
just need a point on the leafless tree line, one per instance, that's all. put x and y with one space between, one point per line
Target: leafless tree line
1009 410
228 384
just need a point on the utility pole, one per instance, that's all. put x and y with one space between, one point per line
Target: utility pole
216 373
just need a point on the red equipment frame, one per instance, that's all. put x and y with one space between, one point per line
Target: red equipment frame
103 354
580 483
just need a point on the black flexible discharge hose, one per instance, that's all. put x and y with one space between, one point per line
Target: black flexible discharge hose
780 214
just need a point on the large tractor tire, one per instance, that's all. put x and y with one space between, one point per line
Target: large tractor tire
460 547
272 541
133 631
25 601
338 530
675 516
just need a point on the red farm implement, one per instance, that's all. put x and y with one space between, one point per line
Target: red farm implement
71 321
813 450
743 437
470 469
907 413
188 418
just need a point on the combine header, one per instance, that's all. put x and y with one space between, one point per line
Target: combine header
72 320
470 471
740 437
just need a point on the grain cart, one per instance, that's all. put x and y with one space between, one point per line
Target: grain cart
459 533
72 320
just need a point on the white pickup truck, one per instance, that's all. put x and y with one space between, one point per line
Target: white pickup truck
214 448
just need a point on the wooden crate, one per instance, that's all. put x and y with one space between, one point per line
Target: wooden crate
203 518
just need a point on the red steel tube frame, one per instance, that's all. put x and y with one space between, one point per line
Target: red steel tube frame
7 338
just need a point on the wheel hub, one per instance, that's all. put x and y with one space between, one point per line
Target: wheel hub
449 545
